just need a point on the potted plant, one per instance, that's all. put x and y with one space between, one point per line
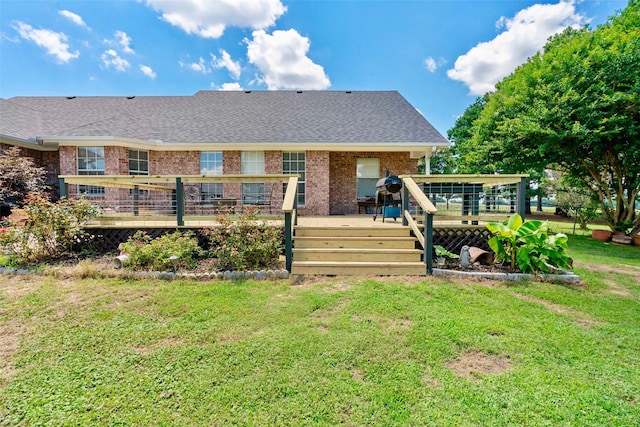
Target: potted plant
620 235
601 235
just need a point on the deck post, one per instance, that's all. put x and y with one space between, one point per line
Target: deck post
288 240
405 204
63 189
179 202
428 242
521 196
136 200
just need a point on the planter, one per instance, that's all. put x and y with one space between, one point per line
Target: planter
621 239
636 240
601 235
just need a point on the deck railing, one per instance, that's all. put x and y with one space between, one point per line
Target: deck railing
473 199
410 188
187 200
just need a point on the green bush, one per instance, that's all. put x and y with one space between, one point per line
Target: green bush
244 242
50 230
155 254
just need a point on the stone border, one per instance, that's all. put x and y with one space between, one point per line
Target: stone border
170 275
564 277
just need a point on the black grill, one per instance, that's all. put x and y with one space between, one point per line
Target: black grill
385 189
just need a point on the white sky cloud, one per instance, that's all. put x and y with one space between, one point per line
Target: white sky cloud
225 61
55 43
124 41
110 58
148 71
525 34
199 67
230 86
73 17
282 59
210 18
432 64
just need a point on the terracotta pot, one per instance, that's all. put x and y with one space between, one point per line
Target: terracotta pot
601 235
480 255
636 240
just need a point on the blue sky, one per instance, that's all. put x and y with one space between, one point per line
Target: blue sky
438 54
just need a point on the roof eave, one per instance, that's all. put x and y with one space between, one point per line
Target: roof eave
381 146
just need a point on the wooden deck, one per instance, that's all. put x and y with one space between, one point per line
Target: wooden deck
200 222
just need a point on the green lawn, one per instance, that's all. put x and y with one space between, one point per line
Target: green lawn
326 351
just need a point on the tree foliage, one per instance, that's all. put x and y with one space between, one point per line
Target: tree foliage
575 107
18 177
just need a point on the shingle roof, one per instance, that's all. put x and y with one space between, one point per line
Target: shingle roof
224 117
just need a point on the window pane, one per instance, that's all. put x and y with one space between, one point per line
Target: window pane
294 163
252 162
211 163
367 173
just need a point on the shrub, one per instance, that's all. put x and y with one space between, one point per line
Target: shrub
51 228
244 242
18 177
155 254
527 244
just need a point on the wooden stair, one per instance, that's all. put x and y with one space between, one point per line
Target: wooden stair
355 251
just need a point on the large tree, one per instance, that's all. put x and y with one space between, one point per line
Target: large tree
577 107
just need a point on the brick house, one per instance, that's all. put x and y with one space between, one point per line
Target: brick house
340 142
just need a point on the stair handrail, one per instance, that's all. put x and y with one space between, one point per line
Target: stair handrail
426 240
289 207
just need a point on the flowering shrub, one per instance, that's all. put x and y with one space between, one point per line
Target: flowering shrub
244 242
51 228
155 254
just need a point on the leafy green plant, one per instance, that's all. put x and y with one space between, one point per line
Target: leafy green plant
156 254
442 252
528 245
244 242
51 228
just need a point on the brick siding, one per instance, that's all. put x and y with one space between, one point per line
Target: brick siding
331 176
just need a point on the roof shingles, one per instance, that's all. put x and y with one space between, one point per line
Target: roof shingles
225 117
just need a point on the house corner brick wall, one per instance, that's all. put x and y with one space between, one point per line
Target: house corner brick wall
68 163
317 197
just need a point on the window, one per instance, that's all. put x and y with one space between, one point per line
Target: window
367 174
139 165
91 162
252 163
211 164
138 162
295 163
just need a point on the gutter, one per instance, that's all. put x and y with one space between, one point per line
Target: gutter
157 145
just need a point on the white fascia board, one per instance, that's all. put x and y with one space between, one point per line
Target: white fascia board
246 146
31 143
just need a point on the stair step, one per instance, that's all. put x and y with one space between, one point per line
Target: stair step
352 231
356 254
359 268
355 242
